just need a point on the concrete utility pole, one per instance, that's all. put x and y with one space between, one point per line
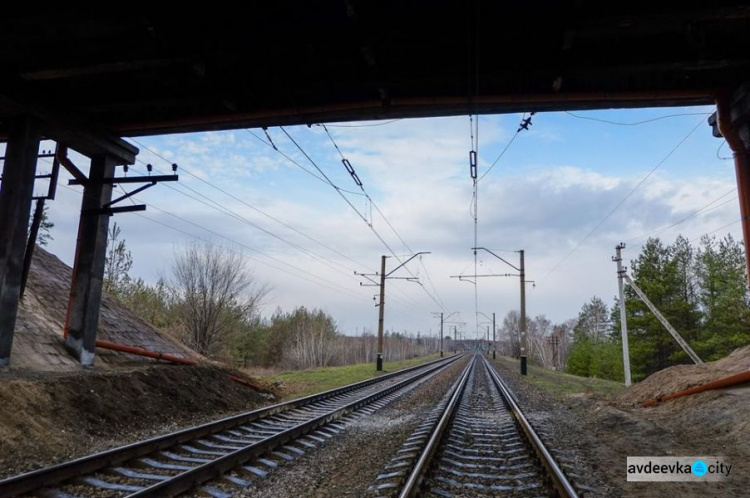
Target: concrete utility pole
623 316
494 340
441 335
521 269
381 316
524 337
381 312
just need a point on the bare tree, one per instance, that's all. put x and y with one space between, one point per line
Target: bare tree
215 293
117 263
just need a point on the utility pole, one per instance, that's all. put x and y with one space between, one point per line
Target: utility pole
524 338
441 334
494 340
381 312
455 338
623 316
381 315
488 340
521 269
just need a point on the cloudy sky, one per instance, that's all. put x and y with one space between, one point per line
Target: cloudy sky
550 194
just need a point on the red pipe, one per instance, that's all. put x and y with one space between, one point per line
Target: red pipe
716 384
742 169
144 352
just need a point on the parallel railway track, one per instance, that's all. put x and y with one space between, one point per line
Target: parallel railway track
222 450
476 442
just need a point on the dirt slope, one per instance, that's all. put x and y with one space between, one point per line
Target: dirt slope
49 416
38 338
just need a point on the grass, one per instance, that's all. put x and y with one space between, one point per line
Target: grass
304 382
562 384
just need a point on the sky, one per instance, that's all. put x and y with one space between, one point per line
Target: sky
566 192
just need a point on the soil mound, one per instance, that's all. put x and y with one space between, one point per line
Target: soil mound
49 416
681 377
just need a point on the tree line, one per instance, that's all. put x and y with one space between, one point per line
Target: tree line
211 301
701 289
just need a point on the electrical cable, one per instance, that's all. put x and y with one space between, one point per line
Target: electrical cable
258 210
599 120
702 210
632 191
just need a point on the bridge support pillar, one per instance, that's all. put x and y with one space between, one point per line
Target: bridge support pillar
16 191
88 269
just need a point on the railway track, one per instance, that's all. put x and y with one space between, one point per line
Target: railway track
232 451
475 442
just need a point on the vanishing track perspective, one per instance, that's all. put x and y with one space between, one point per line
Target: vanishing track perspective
475 442
212 457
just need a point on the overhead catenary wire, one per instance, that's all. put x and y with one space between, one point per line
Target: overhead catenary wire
256 209
636 123
325 179
372 203
619 204
703 210
322 282
224 210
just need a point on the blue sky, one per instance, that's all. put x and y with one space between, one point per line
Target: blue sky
554 185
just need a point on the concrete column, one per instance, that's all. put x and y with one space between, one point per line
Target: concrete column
15 206
88 270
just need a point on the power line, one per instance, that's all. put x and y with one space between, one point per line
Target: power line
637 186
365 125
271 145
351 171
636 123
261 253
325 180
260 211
702 210
725 226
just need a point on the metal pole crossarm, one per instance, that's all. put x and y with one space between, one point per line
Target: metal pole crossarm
115 210
402 264
62 156
487 275
498 257
130 194
131 179
372 283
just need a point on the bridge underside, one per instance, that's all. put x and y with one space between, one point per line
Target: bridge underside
303 62
85 80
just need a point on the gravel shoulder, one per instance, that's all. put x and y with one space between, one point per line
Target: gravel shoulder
600 431
348 464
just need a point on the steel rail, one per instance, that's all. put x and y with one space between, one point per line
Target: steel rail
414 481
561 483
198 475
56 474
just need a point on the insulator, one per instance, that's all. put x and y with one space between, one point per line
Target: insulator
473 164
348 166
174 167
149 168
356 179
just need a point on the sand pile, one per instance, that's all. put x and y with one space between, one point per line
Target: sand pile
681 377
